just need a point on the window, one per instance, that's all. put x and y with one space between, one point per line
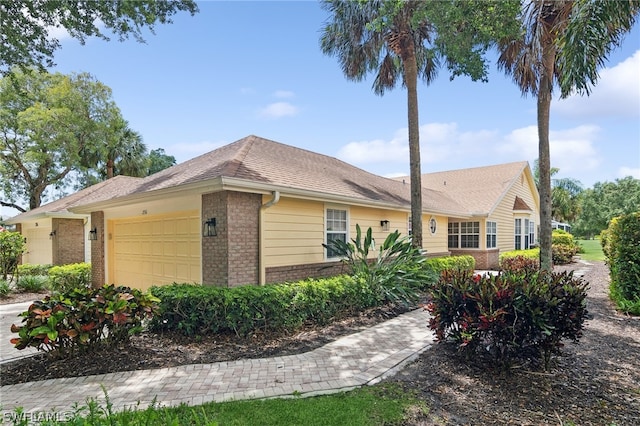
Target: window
492 234
518 234
453 231
463 235
470 235
525 231
532 233
336 228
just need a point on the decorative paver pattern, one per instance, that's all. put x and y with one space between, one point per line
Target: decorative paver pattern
355 360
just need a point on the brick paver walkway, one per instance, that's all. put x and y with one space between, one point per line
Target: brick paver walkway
351 361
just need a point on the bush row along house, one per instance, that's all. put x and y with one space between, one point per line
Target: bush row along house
257 211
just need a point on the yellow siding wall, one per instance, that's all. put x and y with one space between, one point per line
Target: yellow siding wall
293 233
503 215
39 247
294 230
155 250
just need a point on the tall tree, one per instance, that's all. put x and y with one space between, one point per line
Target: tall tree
158 161
46 122
403 41
124 152
26 25
565 194
552 50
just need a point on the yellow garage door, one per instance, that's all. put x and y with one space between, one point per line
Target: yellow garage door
155 250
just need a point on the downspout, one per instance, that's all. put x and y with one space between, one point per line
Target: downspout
263 207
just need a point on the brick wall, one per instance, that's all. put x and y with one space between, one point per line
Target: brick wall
68 242
231 257
280 274
243 223
97 250
485 259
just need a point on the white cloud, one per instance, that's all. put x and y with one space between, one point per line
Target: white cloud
617 93
283 94
571 150
278 110
629 171
247 91
187 150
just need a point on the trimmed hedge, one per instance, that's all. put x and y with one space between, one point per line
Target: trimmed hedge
451 263
65 278
29 269
621 243
199 310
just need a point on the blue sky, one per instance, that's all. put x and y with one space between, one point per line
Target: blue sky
241 68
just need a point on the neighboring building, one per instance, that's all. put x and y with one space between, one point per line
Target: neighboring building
56 236
560 225
257 211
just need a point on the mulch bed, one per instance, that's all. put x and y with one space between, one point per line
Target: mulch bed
596 382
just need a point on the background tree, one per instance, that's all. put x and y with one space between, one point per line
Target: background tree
159 161
554 48
403 41
47 121
566 195
604 202
26 25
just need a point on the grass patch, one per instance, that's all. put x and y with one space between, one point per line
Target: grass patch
382 404
591 250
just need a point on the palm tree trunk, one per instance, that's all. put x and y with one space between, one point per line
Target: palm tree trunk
411 80
110 168
544 108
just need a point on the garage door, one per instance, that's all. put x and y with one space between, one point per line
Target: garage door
155 250
39 250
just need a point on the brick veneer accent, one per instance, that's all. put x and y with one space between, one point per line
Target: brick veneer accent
19 229
68 243
485 259
280 274
231 257
97 251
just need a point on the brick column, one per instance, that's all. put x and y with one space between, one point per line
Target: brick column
97 251
68 242
215 249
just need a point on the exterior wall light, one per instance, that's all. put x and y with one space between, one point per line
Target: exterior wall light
93 234
209 228
52 234
384 224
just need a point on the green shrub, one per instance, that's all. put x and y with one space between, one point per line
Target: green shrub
12 246
517 264
562 254
32 283
68 277
395 273
450 263
30 269
5 288
559 236
199 310
509 314
623 256
83 319
533 253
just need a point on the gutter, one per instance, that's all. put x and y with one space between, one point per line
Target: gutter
261 249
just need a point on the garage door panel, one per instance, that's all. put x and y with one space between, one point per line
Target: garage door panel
157 250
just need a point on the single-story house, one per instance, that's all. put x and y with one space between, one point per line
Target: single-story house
56 236
257 211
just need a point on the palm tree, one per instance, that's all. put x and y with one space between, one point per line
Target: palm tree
125 152
551 51
396 52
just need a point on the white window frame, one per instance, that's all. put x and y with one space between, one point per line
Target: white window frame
517 233
471 231
492 234
532 233
328 231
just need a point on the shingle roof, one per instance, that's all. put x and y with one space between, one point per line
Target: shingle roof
479 189
254 159
108 189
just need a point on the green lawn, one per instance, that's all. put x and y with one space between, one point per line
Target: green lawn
592 250
382 404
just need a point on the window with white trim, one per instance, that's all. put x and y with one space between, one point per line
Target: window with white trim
335 229
525 231
518 234
532 233
492 234
463 235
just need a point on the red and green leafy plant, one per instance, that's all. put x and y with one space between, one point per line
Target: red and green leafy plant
509 315
83 319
